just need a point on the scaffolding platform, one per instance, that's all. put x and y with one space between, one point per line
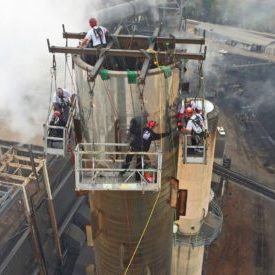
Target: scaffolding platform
98 166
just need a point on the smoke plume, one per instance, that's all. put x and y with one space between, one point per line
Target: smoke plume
25 61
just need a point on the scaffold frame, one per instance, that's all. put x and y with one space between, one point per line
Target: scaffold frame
98 166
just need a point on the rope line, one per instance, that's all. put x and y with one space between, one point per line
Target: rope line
142 235
132 100
66 60
71 73
108 90
53 83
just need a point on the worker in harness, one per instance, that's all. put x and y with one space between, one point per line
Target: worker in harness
185 111
96 35
141 143
184 117
62 102
196 127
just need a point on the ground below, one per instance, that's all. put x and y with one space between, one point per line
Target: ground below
246 245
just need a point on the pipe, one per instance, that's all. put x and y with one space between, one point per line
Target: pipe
125 10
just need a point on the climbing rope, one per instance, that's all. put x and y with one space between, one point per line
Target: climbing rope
53 83
108 90
141 92
132 100
72 74
66 61
143 232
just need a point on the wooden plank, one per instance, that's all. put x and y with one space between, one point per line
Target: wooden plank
177 55
13 177
20 166
27 159
159 40
174 186
89 235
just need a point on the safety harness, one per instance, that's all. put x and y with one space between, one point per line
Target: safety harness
99 34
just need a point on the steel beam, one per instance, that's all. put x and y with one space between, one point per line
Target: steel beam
142 38
126 53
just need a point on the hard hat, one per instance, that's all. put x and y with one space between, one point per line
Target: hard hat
151 124
189 111
93 22
150 175
56 114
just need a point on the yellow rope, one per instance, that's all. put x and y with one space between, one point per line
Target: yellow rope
160 113
141 237
157 198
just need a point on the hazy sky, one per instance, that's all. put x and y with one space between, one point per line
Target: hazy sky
25 62
24 58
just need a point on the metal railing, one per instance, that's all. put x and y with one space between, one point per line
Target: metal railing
56 138
194 153
211 226
98 166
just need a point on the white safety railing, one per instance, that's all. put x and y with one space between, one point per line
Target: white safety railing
98 166
56 138
194 153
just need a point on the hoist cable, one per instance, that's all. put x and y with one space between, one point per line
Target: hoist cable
66 59
107 89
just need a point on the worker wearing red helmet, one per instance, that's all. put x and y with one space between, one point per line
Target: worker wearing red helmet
62 102
183 118
96 35
141 143
196 127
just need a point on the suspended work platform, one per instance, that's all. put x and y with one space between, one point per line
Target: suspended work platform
194 145
57 138
98 166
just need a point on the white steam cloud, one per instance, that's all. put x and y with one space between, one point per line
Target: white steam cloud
25 61
25 78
